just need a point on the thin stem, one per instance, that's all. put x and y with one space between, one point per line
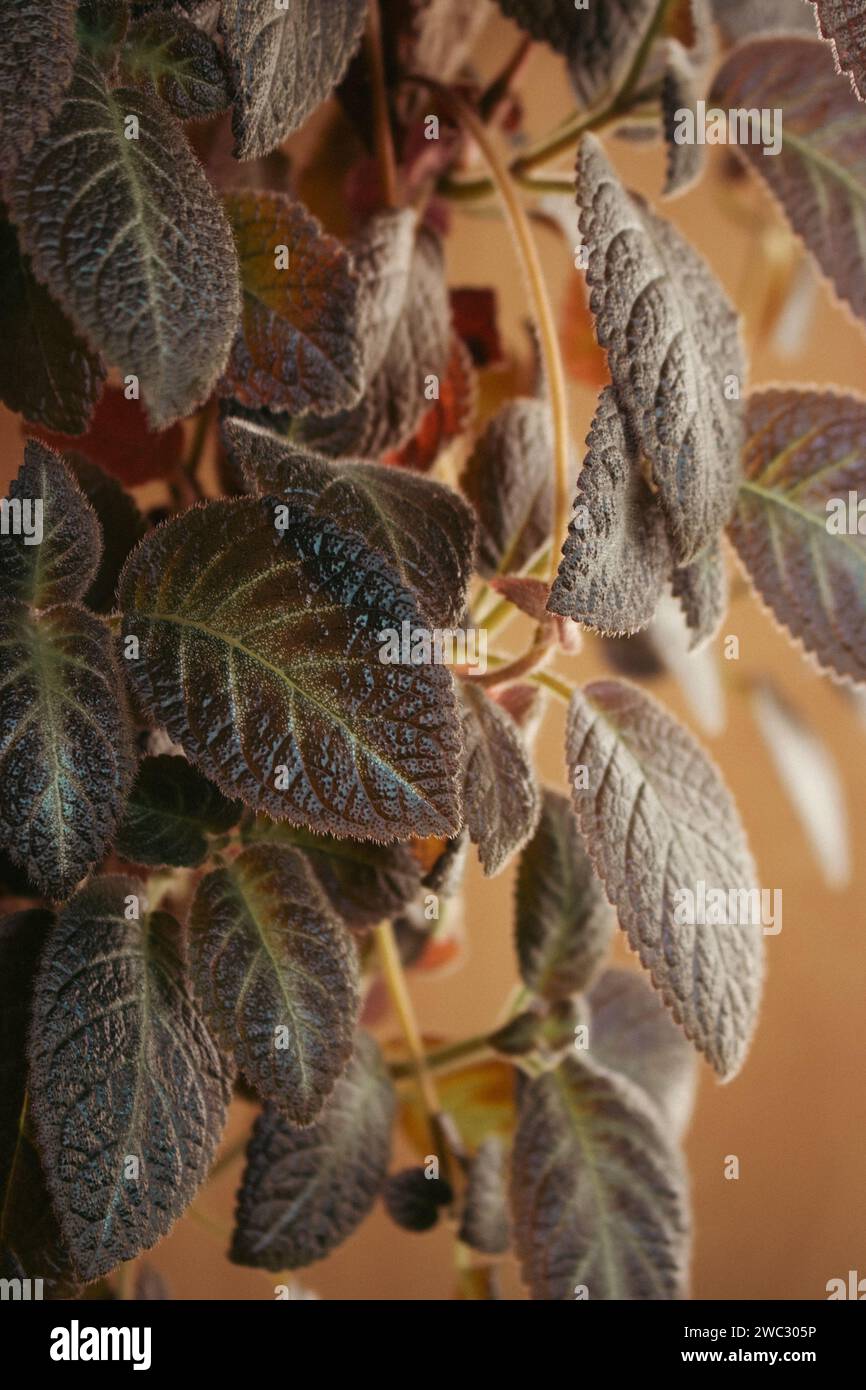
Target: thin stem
381 116
442 1058
518 668
395 982
531 262
562 689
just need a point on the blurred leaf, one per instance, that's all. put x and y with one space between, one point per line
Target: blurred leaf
810 776
36 65
122 528
806 451
120 440
502 802
412 1200
739 18
171 811
584 360
681 90
702 591
658 820
479 1098
304 1191
447 418
508 481
475 315
597 1191
485 1225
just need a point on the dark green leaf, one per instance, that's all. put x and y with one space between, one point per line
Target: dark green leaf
658 822
423 529
56 553
508 480
122 1069
122 527
277 974
499 788
36 63
65 747
305 1190
260 652
562 919
142 257
184 65
170 813
598 1192
46 371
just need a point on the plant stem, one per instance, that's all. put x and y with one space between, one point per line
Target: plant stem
520 666
531 263
442 1058
550 682
398 991
381 116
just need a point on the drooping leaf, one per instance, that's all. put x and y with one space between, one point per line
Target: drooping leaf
616 557
422 529
311 726
284 62
305 1190
142 256
65 746
485 1224
122 528
413 1200
562 919
36 63
673 350
681 90
500 791
806 452
56 553
702 591
297 348
364 882
508 481
819 172
598 1193
843 24
660 825
30 1244
414 361
170 813
631 1033
120 440
600 42
46 371
811 779
182 63
277 975
121 1069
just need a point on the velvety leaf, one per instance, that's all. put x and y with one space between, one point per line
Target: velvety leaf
183 64
122 528
36 63
65 747
500 792
811 779
508 480
658 821
600 42
739 18
304 1191
120 440
422 529
129 236
598 1193
55 559
284 61
681 90
563 923
363 882
485 1225
412 1200
446 419
46 371
414 362
277 975
630 1033
819 173
806 452
367 749
170 813
616 558
297 348
121 1068
102 25
702 590
30 1244
673 350
843 24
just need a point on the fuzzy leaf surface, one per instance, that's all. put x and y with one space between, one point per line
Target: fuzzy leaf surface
36 65
62 564
501 794
171 811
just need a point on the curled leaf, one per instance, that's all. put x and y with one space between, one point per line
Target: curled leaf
128 1091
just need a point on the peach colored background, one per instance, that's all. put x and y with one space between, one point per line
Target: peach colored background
796 1115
